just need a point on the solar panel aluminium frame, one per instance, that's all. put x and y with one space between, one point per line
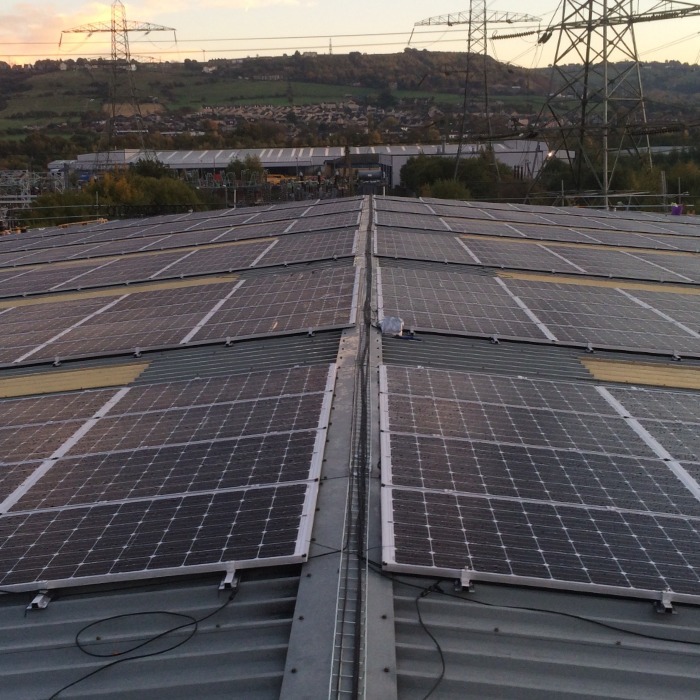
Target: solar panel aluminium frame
466 576
226 568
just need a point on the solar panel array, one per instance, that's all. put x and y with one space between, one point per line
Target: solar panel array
602 314
560 484
187 261
59 244
191 468
565 483
474 296
159 479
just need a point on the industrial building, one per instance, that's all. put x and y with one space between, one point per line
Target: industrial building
526 156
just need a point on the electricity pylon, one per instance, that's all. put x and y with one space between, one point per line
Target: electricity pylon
122 87
478 18
597 106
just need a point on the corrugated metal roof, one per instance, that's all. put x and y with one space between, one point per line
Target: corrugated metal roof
239 651
475 355
520 644
288 157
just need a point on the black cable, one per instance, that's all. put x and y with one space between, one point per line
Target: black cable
439 679
377 568
191 621
435 588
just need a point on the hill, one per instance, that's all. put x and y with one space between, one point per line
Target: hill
70 99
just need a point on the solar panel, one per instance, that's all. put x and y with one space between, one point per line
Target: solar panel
452 302
408 244
297 301
542 232
200 475
403 206
609 316
535 482
409 220
179 313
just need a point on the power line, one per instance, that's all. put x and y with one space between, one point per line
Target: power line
248 49
250 38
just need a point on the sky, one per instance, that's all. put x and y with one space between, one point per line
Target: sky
206 29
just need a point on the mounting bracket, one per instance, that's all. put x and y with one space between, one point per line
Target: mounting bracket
665 603
465 581
230 581
41 600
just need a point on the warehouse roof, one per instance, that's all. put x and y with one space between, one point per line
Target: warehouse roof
220 476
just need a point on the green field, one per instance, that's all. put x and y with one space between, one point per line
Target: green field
66 96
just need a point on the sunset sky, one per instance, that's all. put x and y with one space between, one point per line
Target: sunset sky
206 29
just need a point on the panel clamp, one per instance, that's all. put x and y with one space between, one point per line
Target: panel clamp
230 581
41 600
665 603
465 581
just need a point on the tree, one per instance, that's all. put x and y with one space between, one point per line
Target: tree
151 168
251 164
446 189
116 189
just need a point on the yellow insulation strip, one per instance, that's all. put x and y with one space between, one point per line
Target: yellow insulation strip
585 282
579 246
675 376
116 291
71 380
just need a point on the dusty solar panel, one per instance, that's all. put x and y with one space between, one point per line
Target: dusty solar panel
452 302
180 313
409 244
533 482
427 222
163 479
610 316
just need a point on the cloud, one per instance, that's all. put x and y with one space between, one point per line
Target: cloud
173 6
31 29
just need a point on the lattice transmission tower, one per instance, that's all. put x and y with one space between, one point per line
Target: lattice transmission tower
596 100
478 19
123 96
